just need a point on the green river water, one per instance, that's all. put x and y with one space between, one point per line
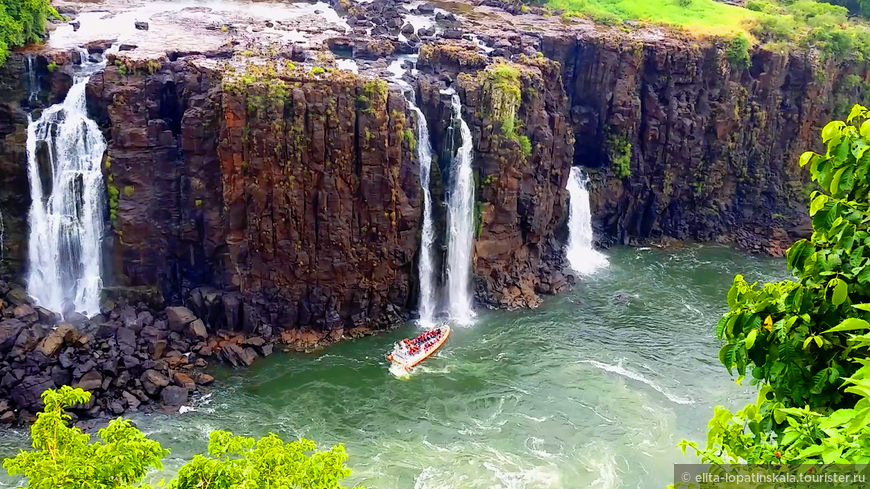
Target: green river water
583 392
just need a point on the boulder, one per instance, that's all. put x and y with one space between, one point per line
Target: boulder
51 344
236 356
197 330
25 313
10 329
153 381
173 396
408 29
29 392
18 296
7 417
140 25
126 339
90 381
116 408
205 379
179 317
184 380
132 401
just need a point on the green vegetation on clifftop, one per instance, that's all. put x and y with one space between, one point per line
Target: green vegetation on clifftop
802 23
22 22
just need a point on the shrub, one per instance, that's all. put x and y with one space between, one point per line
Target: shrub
738 52
805 342
65 458
22 22
317 70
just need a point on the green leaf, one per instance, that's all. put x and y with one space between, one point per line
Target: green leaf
720 326
779 416
732 296
832 130
726 356
841 292
835 182
850 324
859 147
857 111
863 307
810 451
750 339
865 129
818 204
806 157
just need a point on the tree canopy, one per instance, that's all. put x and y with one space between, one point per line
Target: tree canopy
806 342
64 457
22 22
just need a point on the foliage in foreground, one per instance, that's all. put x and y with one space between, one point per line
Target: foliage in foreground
64 457
805 342
22 22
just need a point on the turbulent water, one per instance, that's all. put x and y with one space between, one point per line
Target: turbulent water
593 389
66 217
460 221
427 238
582 256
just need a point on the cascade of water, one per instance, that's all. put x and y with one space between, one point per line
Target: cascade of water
460 219
584 259
2 231
31 78
426 266
64 150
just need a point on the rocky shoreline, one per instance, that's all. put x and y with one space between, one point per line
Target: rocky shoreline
131 357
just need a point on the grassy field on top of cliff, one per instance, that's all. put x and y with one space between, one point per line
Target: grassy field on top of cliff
832 29
703 15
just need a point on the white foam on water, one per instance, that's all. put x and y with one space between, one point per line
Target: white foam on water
581 254
620 370
347 65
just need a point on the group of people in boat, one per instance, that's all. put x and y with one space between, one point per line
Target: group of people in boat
423 342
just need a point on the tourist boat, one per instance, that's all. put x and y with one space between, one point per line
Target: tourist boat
409 353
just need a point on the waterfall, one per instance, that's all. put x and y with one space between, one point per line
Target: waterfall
426 265
2 231
584 259
64 151
31 78
460 219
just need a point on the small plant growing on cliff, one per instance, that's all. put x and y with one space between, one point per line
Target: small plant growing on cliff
52 67
114 195
408 135
737 52
128 191
525 146
619 152
317 70
64 457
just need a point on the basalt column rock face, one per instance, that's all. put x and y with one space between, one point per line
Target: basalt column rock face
294 200
322 198
682 144
163 174
521 196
